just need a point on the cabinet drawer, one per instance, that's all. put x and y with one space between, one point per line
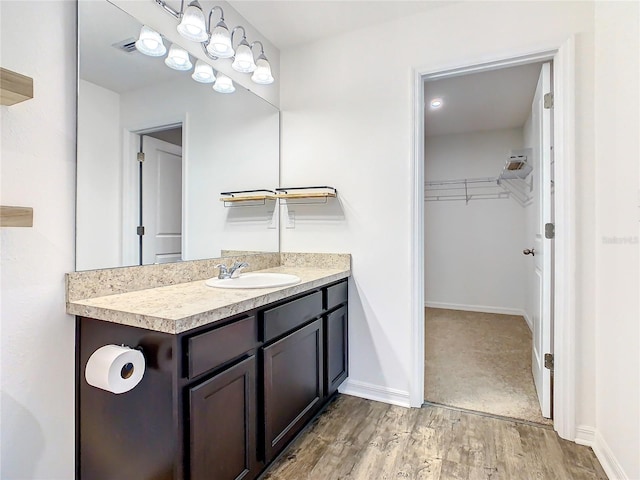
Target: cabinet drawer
213 348
337 294
284 318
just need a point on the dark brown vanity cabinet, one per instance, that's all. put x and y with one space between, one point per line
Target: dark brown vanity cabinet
218 402
293 389
223 425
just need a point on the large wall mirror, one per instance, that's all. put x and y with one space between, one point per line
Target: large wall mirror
196 142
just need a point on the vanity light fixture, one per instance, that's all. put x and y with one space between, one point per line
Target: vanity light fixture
178 59
243 61
223 84
203 73
262 74
192 25
150 42
217 42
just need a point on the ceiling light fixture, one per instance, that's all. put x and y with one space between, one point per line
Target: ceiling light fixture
223 84
203 73
436 103
178 59
192 26
150 42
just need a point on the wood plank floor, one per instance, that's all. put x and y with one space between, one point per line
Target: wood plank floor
365 440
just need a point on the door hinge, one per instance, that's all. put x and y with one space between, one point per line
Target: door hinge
548 361
140 230
548 100
549 230
141 157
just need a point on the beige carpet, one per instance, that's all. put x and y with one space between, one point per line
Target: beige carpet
480 362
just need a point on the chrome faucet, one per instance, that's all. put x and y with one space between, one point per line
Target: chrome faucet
231 272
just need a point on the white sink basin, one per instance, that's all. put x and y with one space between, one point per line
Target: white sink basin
255 280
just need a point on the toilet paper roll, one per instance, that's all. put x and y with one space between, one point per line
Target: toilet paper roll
115 368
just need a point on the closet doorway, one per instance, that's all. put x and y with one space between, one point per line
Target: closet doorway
488 264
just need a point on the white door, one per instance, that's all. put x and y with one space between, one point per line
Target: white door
543 247
161 201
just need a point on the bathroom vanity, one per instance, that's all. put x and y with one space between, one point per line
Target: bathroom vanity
218 400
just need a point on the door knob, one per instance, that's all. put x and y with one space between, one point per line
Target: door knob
529 251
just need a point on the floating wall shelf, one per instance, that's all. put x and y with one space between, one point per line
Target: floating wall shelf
14 87
247 197
323 192
16 216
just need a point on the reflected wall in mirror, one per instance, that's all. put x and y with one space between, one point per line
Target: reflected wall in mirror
196 143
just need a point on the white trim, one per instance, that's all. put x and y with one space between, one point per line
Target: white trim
416 252
564 135
564 328
585 435
608 460
375 392
482 309
475 308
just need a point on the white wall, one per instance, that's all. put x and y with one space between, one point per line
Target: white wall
38 169
473 252
347 121
617 123
98 211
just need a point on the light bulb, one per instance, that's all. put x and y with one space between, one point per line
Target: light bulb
243 61
220 43
203 73
150 43
223 84
262 74
192 26
178 59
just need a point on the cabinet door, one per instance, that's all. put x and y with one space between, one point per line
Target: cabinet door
337 360
292 385
223 425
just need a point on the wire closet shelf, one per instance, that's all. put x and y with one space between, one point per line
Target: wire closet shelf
514 182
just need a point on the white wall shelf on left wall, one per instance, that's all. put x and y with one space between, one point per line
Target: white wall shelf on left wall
16 216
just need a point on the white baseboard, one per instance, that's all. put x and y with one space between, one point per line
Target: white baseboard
527 319
585 435
590 437
475 308
608 460
376 393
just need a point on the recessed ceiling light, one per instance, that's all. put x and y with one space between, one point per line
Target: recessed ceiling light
436 103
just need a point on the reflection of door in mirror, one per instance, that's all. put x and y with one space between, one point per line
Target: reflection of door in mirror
161 201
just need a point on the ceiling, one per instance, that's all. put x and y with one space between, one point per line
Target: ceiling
100 25
287 23
491 100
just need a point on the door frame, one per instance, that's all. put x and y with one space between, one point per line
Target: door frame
564 306
130 190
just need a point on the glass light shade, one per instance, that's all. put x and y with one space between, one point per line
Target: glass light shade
178 59
220 42
243 61
193 26
223 84
262 74
203 73
150 43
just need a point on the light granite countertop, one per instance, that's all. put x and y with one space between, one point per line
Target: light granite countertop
178 308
